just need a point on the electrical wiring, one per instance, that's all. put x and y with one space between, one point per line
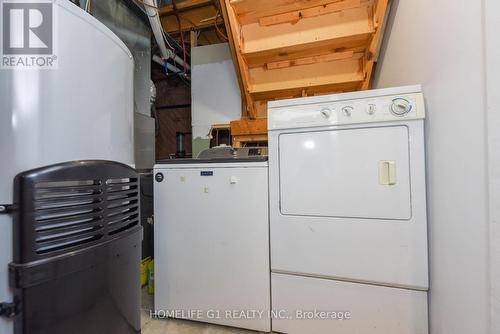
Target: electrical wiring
167 41
174 7
184 80
217 15
221 33
184 52
216 24
164 41
156 16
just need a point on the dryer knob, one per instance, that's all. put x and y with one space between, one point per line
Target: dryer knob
326 112
348 111
400 107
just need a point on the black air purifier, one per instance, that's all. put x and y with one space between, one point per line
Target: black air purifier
77 240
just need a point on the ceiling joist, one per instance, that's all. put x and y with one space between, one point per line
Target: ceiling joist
184 6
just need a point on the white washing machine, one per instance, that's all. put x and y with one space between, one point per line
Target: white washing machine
348 213
212 241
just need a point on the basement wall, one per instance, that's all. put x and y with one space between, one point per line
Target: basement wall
216 97
442 44
492 47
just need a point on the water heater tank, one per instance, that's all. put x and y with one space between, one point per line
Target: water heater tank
83 109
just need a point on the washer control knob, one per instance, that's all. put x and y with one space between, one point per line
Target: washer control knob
159 177
400 107
347 111
371 108
326 112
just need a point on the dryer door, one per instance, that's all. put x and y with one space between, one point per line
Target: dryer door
348 203
357 173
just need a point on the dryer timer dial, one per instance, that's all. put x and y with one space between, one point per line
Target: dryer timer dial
400 107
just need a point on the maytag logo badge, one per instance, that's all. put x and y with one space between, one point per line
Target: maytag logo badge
28 34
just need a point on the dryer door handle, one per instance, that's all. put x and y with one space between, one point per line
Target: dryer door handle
387 172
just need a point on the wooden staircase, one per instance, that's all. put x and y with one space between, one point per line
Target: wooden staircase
294 48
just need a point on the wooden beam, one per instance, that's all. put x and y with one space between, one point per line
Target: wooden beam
331 88
249 127
232 46
311 60
239 140
381 11
295 16
235 39
379 15
290 17
356 43
250 11
184 6
324 28
193 39
221 126
260 109
368 66
332 8
198 18
317 74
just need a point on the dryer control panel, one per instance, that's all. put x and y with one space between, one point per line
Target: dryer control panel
359 107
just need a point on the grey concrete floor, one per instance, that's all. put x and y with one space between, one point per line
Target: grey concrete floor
171 326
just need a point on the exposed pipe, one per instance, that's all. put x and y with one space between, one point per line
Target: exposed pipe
179 141
170 67
180 61
154 20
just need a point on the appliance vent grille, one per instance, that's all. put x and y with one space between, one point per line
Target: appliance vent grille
67 214
59 213
122 204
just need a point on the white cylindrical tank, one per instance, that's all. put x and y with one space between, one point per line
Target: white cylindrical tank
81 110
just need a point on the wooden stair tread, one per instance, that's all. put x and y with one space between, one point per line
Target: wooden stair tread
250 11
317 74
317 48
327 28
